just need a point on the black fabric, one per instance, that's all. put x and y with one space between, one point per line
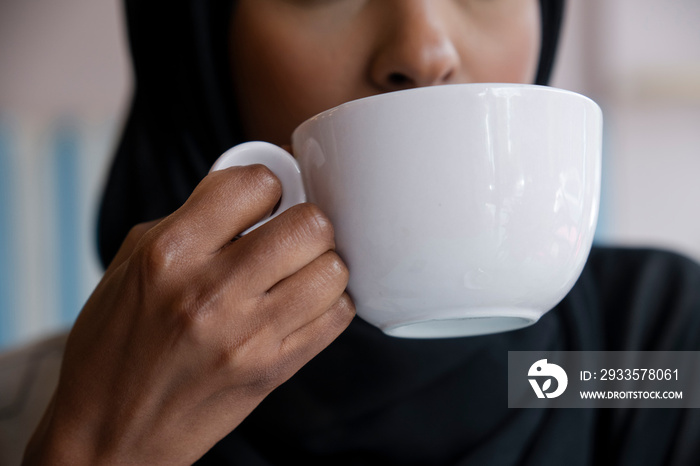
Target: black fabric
183 115
371 399
552 14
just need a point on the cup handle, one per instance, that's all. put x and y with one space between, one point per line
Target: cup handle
278 160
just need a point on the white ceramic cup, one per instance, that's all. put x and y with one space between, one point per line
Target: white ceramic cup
459 210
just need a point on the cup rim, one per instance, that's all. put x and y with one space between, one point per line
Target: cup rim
439 89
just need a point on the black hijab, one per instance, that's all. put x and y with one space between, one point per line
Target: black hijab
183 115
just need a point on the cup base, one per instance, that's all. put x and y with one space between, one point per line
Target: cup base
452 327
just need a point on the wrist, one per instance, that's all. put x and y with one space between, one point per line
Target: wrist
56 444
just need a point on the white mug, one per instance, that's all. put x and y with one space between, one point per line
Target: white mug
459 210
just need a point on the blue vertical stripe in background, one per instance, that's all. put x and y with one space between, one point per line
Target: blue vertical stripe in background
8 277
67 207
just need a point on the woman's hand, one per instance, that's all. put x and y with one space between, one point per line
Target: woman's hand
188 331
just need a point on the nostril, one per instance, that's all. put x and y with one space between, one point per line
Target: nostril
448 77
398 79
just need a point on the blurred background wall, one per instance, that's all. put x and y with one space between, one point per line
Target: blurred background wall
640 60
65 82
64 85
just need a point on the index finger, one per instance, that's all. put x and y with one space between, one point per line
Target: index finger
225 203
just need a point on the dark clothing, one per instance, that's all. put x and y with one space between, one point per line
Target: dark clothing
372 399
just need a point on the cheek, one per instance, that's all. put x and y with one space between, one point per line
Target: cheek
283 77
504 48
510 62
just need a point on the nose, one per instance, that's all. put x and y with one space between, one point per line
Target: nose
416 48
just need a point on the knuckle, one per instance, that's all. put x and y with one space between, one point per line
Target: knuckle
136 232
231 353
133 237
343 311
336 268
314 222
194 306
238 182
160 252
262 178
251 366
